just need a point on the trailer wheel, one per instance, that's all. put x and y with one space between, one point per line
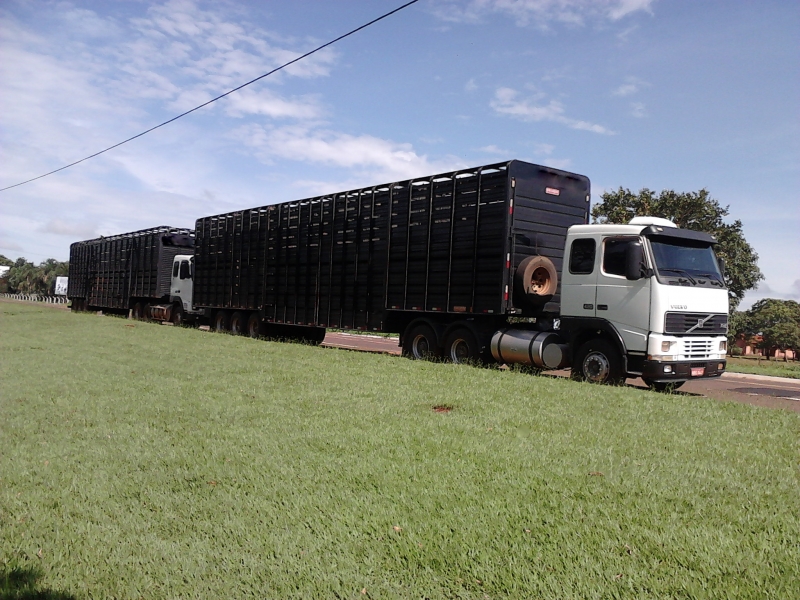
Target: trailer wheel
254 326
420 343
137 311
237 323
536 279
221 321
461 347
598 361
663 386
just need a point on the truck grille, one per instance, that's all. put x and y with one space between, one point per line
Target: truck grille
697 349
680 322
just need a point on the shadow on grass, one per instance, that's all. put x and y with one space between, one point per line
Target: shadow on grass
22 583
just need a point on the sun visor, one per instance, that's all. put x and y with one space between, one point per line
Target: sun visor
676 235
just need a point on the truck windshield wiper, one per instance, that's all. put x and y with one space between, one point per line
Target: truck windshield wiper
713 277
680 272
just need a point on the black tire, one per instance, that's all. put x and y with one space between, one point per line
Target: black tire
237 323
137 313
461 347
663 386
145 311
178 317
254 326
536 280
420 343
220 324
598 361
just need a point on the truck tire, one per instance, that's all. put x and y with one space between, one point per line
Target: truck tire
663 386
221 321
254 326
461 347
536 279
137 311
420 343
178 316
598 361
237 323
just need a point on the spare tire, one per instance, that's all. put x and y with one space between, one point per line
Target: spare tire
536 280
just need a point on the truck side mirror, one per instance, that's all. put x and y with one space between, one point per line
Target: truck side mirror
634 261
721 263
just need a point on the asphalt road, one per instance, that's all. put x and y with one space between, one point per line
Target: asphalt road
758 390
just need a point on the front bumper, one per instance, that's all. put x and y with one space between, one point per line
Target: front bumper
656 370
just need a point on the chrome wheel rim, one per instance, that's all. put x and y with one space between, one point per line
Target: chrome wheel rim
459 351
420 347
596 367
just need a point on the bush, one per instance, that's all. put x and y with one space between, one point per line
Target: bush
736 351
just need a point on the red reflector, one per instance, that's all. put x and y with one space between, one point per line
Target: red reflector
505 296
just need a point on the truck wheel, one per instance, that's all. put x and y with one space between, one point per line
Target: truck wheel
598 361
420 343
536 279
461 347
237 323
254 326
221 321
178 317
137 311
663 386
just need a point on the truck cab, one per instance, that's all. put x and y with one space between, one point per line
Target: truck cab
646 299
181 288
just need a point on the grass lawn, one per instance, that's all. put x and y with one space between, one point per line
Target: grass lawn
765 366
143 461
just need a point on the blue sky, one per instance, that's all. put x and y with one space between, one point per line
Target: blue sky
634 93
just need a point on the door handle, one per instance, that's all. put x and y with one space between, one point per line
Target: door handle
602 307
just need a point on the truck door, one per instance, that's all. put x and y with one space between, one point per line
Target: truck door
579 278
626 304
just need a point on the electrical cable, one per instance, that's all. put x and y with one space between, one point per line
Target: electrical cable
236 89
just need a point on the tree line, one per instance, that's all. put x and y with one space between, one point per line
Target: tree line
26 278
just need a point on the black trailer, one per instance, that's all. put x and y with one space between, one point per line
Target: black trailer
456 251
126 271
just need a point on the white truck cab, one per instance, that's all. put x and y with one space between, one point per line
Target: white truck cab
653 290
181 288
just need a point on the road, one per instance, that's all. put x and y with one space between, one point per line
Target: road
758 390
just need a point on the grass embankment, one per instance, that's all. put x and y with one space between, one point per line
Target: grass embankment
141 461
764 366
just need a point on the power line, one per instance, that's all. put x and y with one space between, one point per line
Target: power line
236 89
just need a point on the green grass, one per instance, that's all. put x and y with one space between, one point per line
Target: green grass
142 461
765 366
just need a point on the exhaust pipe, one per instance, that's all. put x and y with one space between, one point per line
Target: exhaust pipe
543 349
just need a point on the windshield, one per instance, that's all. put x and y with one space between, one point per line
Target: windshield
676 259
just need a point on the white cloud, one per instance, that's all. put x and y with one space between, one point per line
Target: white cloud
383 159
540 12
70 229
506 102
631 86
471 86
638 110
492 149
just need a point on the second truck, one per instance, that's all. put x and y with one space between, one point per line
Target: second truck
495 263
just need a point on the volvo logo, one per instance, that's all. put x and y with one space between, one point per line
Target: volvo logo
700 323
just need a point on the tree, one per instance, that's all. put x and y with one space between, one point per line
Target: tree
778 322
691 210
5 261
26 278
